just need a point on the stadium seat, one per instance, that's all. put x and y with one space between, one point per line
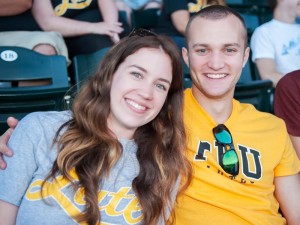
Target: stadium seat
251 89
20 64
234 2
147 18
252 22
257 93
86 65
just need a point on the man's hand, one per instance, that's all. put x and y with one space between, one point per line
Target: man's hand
4 150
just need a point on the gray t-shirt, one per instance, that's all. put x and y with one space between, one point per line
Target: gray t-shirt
33 157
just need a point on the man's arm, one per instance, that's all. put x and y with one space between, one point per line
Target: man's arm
267 70
14 7
287 191
12 123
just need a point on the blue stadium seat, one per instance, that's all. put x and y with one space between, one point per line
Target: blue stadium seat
86 65
20 64
147 18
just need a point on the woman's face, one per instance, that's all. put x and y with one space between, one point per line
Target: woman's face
138 91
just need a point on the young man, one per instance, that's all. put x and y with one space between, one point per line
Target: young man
263 172
259 170
276 44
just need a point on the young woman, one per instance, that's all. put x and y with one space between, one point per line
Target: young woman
116 158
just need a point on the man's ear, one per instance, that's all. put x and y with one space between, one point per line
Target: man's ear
185 56
246 56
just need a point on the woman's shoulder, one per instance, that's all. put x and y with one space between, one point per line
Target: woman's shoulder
49 120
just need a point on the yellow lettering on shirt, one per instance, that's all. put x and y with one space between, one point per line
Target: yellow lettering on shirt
195 7
117 197
71 4
72 204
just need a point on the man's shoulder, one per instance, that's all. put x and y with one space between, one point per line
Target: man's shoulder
247 112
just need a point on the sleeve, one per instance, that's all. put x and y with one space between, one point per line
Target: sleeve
289 163
261 44
287 104
21 167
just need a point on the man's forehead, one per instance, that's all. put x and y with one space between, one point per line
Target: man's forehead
228 29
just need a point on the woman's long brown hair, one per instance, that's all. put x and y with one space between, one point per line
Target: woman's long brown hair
88 145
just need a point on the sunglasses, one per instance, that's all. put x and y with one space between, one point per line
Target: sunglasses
141 32
229 161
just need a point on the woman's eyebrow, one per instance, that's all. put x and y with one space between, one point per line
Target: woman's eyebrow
144 70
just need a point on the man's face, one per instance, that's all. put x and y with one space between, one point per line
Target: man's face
216 55
292 7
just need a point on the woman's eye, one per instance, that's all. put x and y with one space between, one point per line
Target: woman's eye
161 86
136 74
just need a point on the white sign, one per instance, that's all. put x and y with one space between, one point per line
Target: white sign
9 55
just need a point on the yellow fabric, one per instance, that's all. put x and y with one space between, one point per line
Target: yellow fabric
264 151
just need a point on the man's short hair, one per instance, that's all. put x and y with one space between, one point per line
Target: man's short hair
216 12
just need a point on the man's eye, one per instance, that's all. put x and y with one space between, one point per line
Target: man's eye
201 51
231 50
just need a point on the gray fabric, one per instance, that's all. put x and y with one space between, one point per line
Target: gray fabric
33 158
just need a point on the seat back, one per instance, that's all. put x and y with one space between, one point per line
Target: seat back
20 64
246 75
249 72
251 20
257 93
85 65
234 2
147 18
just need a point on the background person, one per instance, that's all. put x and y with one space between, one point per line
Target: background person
87 26
275 45
287 105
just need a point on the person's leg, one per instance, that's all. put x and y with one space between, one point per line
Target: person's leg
47 43
45 49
